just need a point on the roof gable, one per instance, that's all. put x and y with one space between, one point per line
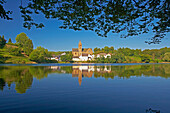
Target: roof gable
86 49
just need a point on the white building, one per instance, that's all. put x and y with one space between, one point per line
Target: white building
83 57
104 55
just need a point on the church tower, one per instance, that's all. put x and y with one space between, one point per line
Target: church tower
80 48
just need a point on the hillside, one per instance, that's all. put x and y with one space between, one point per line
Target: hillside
7 58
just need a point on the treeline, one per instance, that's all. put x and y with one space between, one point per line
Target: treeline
127 55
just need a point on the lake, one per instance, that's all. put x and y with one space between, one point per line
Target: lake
84 88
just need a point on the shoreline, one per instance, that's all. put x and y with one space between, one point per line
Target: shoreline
82 64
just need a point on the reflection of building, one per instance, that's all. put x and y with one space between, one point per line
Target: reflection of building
82 71
54 67
105 69
82 54
57 68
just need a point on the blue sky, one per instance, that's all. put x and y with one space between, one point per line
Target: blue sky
55 39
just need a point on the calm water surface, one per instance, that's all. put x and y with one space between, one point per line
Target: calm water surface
85 89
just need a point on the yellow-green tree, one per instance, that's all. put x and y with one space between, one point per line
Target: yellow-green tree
39 54
24 43
166 57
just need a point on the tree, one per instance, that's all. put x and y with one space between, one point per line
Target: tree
106 49
111 49
21 39
2 41
96 49
28 47
166 57
39 54
67 57
25 43
118 58
145 58
9 41
101 16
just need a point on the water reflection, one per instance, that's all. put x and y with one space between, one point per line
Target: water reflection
22 76
82 71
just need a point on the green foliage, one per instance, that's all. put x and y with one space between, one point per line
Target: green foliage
13 44
9 41
106 49
28 47
25 43
39 54
127 55
166 57
67 57
21 39
118 58
145 58
2 41
14 51
7 58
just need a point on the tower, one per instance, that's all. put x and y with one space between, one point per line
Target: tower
80 48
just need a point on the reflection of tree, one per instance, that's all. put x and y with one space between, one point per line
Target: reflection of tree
39 72
67 69
134 70
24 82
2 84
166 69
22 76
18 75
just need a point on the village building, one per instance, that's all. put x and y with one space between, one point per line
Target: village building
57 57
105 55
82 54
